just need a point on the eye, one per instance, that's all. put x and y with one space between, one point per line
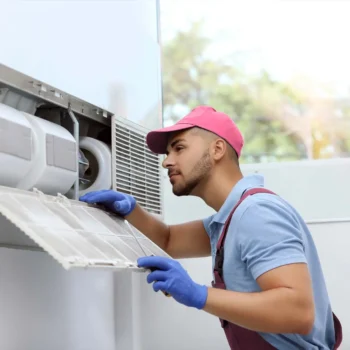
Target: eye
178 148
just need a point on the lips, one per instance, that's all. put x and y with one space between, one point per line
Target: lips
172 175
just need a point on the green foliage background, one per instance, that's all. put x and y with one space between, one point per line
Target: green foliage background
280 120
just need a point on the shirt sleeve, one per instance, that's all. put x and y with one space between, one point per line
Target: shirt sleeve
269 237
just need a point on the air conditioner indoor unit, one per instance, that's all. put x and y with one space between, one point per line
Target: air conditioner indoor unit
55 147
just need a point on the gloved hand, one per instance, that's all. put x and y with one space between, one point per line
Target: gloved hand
171 277
118 202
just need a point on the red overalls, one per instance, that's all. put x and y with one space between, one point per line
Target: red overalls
240 338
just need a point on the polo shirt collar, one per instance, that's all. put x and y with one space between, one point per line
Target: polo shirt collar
247 182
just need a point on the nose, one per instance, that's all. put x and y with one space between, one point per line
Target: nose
168 162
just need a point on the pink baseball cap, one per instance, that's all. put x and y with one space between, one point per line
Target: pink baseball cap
203 117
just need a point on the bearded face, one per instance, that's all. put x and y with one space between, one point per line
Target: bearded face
188 163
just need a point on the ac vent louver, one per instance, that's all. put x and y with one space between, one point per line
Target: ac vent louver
136 170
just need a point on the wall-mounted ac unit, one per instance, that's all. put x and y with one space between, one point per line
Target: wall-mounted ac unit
55 147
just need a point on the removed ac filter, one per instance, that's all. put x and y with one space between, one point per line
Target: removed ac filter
16 146
54 158
98 174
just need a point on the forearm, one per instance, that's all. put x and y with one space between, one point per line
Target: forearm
150 226
278 310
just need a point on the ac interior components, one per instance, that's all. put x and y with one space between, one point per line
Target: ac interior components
49 149
16 146
98 174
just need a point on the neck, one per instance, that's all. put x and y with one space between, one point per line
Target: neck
218 187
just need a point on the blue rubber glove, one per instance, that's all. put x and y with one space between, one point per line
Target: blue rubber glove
171 277
118 202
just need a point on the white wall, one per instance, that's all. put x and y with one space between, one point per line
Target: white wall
43 306
104 52
318 189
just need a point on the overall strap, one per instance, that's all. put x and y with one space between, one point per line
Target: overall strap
247 193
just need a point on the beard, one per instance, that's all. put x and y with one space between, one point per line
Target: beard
199 173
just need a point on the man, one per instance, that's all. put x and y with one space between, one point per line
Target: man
269 291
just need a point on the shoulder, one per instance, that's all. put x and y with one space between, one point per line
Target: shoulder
267 209
266 219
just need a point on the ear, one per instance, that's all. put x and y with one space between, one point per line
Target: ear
219 149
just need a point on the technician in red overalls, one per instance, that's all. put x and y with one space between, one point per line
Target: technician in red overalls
268 289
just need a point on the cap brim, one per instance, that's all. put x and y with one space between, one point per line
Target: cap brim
157 140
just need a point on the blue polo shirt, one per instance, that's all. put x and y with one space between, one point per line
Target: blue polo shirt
267 232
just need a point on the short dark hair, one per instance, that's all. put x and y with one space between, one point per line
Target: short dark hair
205 133
233 154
